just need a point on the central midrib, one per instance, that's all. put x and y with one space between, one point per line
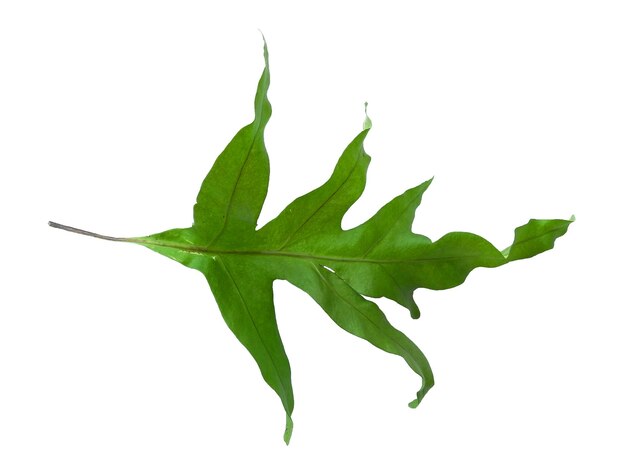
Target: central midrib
292 254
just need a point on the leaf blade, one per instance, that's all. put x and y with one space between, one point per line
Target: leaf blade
247 306
535 237
232 194
306 245
356 315
322 209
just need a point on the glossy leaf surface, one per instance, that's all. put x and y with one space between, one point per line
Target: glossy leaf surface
306 246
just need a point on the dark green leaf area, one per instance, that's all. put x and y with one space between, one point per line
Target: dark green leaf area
306 246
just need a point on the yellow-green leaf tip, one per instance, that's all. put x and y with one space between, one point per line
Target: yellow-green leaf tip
288 430
367 123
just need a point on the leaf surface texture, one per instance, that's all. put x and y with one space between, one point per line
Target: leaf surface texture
306 246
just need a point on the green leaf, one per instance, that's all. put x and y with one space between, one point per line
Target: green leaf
306 246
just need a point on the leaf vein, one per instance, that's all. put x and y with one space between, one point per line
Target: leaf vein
236 185
391 227
322 204
256 328
377 326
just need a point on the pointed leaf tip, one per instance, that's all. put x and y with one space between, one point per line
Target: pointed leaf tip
265 52
288 430
420 395
367 123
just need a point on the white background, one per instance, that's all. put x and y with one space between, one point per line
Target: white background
111 113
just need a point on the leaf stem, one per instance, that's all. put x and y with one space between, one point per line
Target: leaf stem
67 228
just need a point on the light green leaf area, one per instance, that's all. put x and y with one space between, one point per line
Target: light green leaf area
306 246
